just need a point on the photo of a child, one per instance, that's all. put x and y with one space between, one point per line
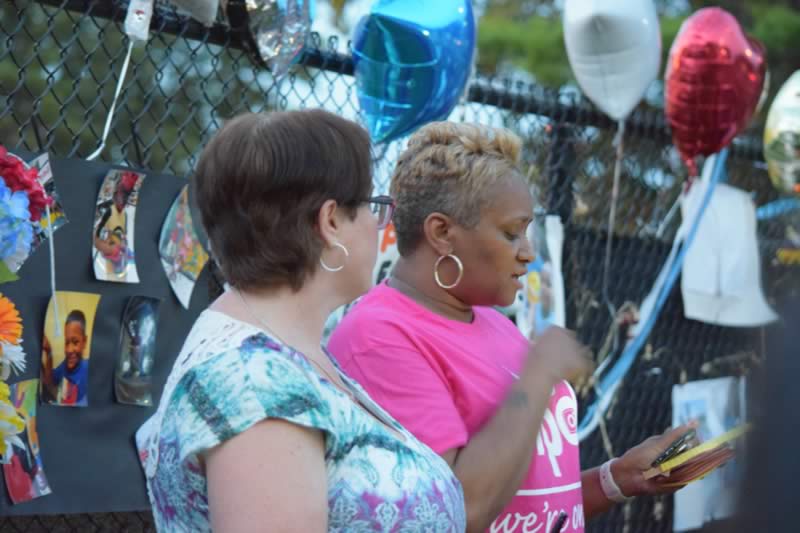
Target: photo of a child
66 349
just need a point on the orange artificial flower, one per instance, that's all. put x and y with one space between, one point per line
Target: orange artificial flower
10 322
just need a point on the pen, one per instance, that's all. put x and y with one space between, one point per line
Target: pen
681 444
559 523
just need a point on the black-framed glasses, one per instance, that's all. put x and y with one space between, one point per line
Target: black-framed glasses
383 208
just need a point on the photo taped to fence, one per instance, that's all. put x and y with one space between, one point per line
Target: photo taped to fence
24 473
180 250
67 347
113 253
133 379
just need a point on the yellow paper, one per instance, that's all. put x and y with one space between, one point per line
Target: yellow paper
688 455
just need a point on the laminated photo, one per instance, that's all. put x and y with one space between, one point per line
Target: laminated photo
24 474
719 405
113 254
66 348
541 301
182 254
137 346
57 218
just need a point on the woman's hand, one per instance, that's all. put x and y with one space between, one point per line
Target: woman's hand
628 470
559 354
492 465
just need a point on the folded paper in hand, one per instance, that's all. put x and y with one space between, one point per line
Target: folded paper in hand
699 461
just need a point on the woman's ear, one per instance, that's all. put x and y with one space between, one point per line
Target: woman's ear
328 223
438 230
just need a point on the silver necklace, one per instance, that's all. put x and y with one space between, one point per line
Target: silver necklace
269 330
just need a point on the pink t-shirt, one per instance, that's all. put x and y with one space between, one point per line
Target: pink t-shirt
443 379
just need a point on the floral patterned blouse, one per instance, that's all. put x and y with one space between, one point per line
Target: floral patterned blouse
231 375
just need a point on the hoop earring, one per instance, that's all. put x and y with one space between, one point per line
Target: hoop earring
460 266
346 255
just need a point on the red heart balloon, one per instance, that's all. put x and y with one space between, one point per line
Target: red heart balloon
713 83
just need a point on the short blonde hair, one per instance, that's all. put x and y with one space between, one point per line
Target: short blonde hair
449 168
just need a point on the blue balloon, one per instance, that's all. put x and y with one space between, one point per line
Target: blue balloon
412 61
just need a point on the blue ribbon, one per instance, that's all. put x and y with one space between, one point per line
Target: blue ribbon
777 208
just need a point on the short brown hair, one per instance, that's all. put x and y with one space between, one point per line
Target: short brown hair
260 183
449 168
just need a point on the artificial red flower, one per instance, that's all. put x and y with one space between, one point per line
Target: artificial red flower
19 177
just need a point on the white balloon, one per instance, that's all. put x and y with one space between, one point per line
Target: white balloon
614 49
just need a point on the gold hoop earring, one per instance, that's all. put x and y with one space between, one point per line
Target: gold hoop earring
458 263
337 269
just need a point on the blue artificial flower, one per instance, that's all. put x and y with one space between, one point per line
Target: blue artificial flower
16 231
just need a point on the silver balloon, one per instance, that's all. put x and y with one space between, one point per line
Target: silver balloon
274 31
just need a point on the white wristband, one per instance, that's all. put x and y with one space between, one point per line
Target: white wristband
610 487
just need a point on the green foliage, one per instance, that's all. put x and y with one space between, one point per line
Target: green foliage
535 45
62 67
512 31
778 27
670 26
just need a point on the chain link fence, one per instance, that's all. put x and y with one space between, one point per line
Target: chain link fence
59 66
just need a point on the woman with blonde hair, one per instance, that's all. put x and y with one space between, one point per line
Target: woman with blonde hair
428 345
257 429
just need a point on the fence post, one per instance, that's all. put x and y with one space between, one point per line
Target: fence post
560 175
560 200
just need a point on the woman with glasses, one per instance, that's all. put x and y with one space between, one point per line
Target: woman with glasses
429 347
257 428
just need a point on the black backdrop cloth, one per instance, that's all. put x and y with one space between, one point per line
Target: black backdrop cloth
88 453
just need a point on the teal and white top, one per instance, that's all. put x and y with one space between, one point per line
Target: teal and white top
231 375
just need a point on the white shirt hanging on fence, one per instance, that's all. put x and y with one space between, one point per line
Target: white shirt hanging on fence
721 280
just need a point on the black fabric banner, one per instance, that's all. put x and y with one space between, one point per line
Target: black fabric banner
88 453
